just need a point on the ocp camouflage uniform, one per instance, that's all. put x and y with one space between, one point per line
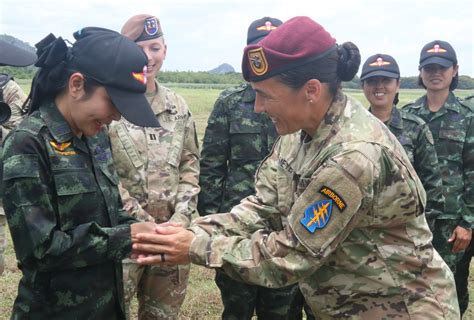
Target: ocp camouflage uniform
417 141
235 142
64 212
159 168
13 95
356 239
453 131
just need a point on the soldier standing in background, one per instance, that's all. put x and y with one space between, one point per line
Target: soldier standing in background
235 142
12 98
380 79
159 168
452 125
356 240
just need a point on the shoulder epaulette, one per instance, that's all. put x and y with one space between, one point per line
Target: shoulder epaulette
4 78
230 91
411 117
467 102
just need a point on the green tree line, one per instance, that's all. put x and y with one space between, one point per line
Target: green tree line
232 78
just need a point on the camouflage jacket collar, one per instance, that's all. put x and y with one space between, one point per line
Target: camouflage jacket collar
395 120
330 118
57 125
158 101
249 94
451 104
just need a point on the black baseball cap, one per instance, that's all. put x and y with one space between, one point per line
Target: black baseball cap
380 65
120 66
438 52
13 55
260 28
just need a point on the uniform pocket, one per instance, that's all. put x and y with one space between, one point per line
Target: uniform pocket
245 140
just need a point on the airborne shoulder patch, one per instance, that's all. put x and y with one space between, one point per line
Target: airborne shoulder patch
331 194
317 215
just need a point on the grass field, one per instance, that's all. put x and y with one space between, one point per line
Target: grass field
203 299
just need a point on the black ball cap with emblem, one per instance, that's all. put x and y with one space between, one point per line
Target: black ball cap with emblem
380 65
119 65
12 55
260 28
438 52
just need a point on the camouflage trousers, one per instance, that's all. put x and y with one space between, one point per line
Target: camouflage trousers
299 304
462 277
160 289
3 240
241 300
442 230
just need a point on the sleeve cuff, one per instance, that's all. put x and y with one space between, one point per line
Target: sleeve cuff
120 242
199 250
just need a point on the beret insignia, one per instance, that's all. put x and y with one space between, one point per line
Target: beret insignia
257 61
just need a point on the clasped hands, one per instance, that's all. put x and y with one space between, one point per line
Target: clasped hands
156 244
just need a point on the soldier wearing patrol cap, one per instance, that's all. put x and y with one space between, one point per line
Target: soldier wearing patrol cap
451 122
12 98
236 140
159 172
356 240
380 79
61 199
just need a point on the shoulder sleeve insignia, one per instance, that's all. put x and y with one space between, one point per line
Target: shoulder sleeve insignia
331 194
317 215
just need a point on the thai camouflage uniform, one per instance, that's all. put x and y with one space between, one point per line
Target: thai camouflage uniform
159 168
235 142
64 212
13 95
356 239
417 141
452 127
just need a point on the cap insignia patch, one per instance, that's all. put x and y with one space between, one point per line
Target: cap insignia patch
258 62
151 26
317 215
379 62
436 49
267 27
140 76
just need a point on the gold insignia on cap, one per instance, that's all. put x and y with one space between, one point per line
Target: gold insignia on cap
436 48
257 61
379 62
268 26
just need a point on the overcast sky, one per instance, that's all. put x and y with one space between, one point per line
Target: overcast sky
201 34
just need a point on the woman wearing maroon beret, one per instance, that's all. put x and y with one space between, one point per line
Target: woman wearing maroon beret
354 234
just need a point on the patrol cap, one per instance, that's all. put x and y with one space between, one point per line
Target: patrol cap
260 28
380 65
296 42
438 52
120 66
12 55
142 27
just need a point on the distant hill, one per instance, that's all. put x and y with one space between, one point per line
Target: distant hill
222 69
17 42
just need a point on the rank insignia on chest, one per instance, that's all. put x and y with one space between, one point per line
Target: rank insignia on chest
60 148
317 215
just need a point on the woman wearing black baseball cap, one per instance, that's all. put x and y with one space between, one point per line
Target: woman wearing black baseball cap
380 79
61 198
452 125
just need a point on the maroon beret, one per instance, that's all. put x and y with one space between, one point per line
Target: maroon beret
142 27
298 41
